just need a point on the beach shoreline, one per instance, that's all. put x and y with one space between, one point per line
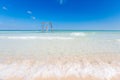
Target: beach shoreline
60 56
77 67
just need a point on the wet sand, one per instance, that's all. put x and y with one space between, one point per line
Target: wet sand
77 67
67 78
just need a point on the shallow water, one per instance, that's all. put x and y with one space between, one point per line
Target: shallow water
30 54
64 42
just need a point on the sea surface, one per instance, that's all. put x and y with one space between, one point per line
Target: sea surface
34 55
71 42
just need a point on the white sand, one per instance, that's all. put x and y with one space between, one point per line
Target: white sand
67 56
93 67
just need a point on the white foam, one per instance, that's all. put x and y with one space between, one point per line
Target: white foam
28 72
35 37
78 34
118 40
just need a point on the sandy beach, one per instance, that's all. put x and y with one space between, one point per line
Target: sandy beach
60 56
79 67
59 39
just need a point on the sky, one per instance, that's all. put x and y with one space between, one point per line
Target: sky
64 14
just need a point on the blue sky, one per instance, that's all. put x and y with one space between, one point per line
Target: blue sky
64 14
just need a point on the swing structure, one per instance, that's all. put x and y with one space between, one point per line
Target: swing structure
46 26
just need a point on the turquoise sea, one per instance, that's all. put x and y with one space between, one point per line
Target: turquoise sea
62 41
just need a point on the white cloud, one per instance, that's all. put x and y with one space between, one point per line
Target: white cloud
29 12
33 17
61 2
4 8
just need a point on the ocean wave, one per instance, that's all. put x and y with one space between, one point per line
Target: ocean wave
36 37
78 34
118 40
102 71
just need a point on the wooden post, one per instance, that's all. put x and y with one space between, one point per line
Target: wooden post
51 26
43 24
46 28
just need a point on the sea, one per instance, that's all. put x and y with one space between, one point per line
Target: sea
35 54
63 41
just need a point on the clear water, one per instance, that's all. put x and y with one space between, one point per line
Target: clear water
36 43
59 42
